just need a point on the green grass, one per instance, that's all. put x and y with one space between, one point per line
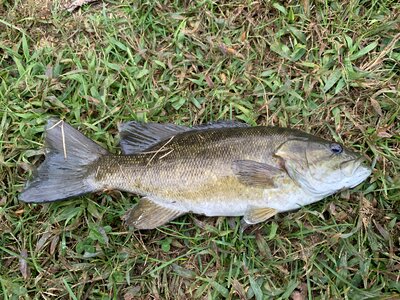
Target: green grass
331 68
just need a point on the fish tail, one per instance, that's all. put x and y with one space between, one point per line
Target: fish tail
66 170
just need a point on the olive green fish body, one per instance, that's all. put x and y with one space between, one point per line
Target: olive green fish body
194 171
222 169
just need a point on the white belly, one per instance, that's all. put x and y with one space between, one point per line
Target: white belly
285 198
285 201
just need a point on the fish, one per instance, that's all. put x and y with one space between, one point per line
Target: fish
226 168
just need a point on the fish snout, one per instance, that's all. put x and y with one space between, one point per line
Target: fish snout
351 167
355 171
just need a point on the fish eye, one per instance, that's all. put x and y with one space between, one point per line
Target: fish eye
336 148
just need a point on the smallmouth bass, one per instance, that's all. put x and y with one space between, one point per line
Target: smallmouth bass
220 169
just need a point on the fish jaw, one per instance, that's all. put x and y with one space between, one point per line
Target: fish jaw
362 174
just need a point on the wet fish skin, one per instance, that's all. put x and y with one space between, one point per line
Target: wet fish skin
221 169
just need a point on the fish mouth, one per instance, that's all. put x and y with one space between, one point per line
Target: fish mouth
362 163
350 167
357 169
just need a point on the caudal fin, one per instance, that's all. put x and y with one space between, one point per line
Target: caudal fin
64 172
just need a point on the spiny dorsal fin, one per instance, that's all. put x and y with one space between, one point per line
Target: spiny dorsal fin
258 215
256 174
137 137
148 215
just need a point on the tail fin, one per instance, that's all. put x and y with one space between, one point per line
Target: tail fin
64 172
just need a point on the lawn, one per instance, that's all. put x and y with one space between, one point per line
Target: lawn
331 68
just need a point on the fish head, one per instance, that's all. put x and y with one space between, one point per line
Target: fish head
322 167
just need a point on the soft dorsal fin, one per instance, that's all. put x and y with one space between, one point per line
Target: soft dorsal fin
137 137
220 124
148 215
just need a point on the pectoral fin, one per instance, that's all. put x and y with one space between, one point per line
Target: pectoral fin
256 174
148 215
258 215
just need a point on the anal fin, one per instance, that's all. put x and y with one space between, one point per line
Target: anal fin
258 215
149 215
